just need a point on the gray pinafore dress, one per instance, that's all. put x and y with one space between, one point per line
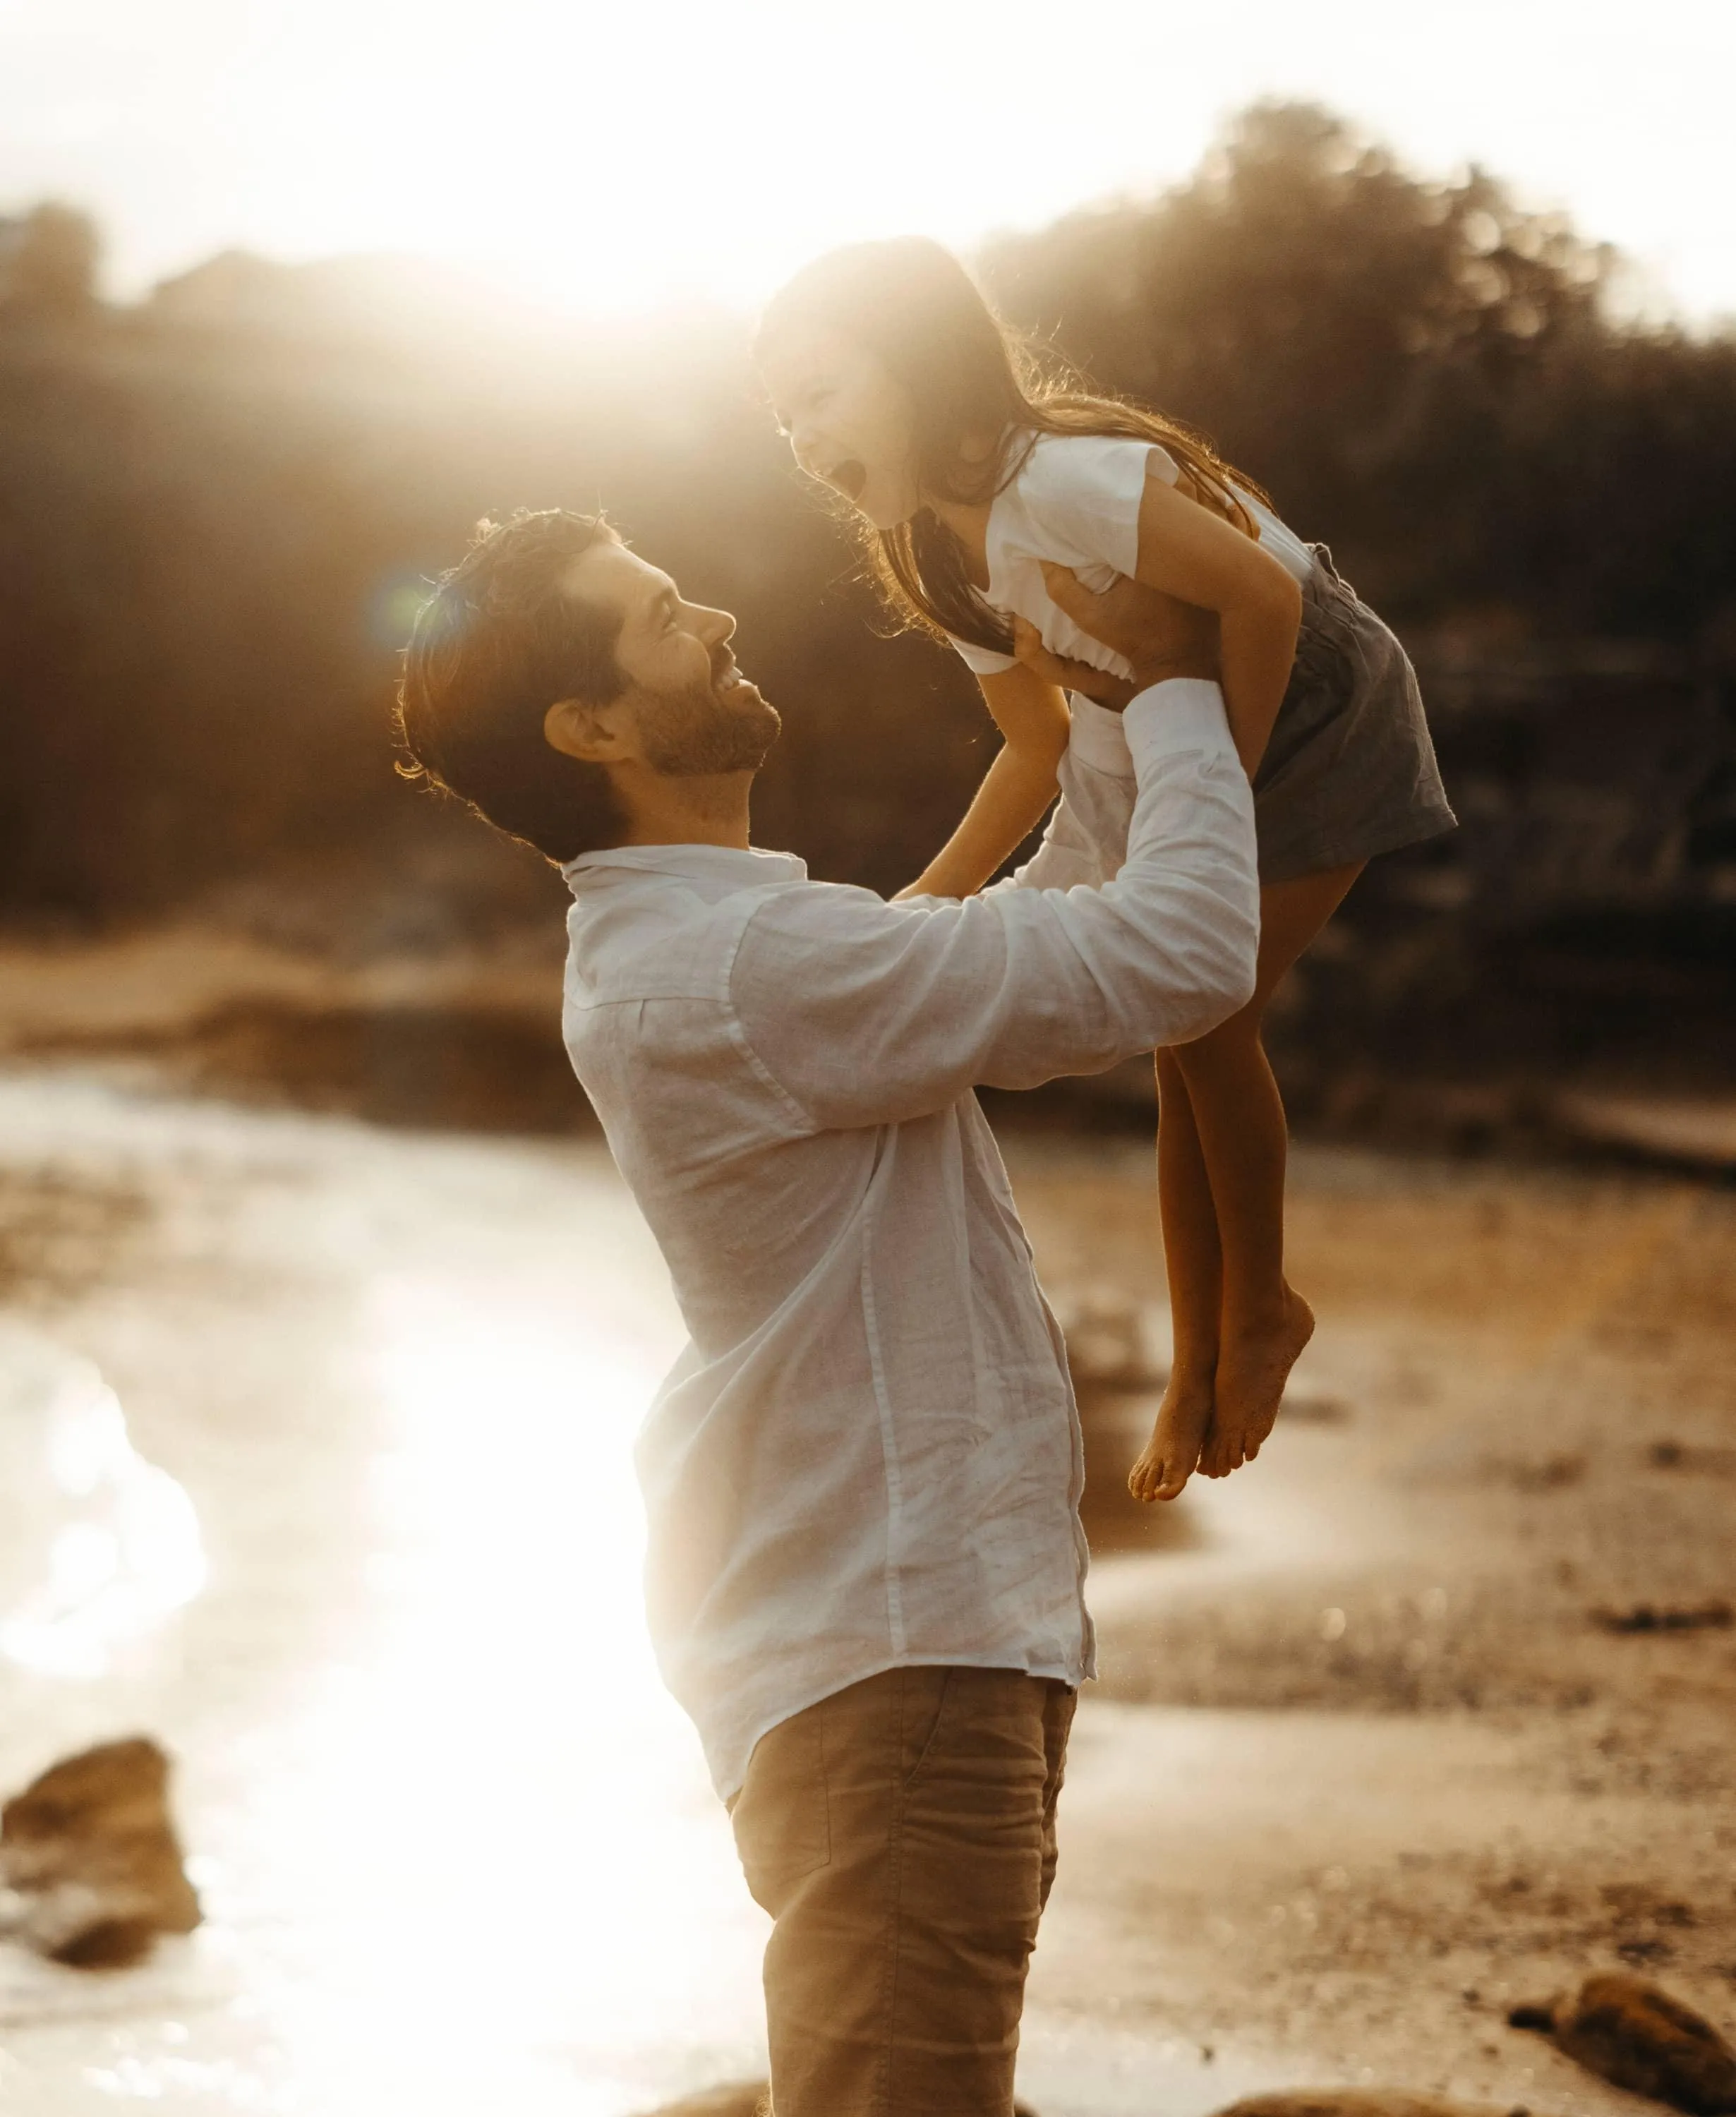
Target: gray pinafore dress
1350 771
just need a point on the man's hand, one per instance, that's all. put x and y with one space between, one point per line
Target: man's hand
1159 635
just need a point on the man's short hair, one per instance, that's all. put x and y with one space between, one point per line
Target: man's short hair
496 644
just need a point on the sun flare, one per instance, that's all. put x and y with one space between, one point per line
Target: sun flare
616 158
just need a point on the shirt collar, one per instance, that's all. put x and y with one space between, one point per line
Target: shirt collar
728 863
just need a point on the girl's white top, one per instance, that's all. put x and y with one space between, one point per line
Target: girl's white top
1076 502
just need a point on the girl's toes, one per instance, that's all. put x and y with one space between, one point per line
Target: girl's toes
1148 1477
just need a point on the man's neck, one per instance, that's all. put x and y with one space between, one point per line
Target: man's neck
700 811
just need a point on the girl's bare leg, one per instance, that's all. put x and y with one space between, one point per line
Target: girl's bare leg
1195 1271
1263 1323
1239 1116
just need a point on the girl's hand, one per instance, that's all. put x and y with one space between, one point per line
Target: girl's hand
1067 675
1159 636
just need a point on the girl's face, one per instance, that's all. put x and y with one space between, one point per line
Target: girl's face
849 419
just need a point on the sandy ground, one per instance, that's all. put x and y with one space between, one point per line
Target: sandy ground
1365 1763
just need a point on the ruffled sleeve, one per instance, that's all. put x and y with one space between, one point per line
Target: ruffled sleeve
983 660
1082 493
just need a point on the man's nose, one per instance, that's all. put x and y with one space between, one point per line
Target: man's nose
717 625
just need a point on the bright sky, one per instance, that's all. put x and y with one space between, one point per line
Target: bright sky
606 153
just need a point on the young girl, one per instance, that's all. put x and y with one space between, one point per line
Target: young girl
975 482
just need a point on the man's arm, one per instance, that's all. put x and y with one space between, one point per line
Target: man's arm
1087 838
868 1013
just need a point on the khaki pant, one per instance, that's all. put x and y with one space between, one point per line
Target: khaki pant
901 1833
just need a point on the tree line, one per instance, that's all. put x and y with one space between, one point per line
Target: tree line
217 504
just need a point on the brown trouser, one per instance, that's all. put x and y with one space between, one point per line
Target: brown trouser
901 1835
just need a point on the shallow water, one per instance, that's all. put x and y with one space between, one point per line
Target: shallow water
359 1542
314 1463
455 1843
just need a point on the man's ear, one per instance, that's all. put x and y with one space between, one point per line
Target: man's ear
594 735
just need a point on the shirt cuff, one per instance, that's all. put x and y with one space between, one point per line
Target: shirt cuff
1181 713
1098 738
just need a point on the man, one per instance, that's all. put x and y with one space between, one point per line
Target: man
862 1476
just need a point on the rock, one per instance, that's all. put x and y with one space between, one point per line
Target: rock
1360 2102
745 2098
1696 1129
1666 1617
1304 1404
1668 1454
748 2098
90 1867
1638 2036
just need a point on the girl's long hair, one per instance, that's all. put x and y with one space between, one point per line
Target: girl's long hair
969 378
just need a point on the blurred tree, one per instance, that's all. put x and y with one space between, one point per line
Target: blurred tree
211 541
49 260
1424 374
214 512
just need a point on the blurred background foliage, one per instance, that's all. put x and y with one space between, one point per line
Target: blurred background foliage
1425 373
219 505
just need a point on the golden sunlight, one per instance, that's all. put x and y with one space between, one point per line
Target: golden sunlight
612 158
562 1819
608 160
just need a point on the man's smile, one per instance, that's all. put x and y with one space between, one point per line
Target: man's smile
728 682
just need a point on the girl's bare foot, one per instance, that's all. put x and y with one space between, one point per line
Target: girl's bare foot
1173 1451
1253 1366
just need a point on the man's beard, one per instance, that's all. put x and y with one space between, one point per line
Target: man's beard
701 732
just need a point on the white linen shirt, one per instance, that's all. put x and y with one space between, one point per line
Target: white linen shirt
868 1453
1075 500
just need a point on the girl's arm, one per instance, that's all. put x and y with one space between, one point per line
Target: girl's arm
1189 551
1016 789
